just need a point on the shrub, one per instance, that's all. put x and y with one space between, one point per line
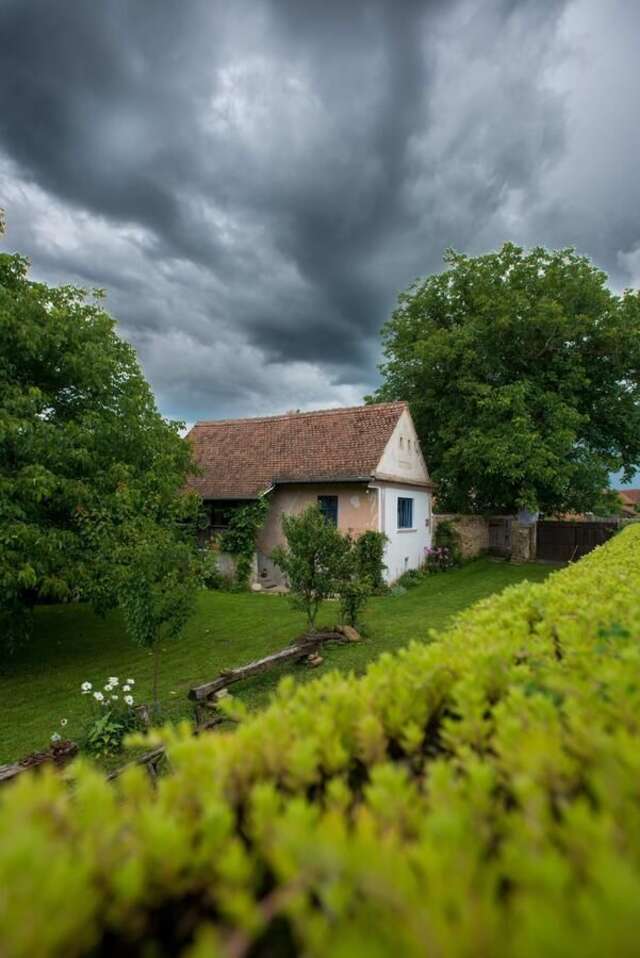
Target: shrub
370 557
410 578
438 559
477 794
447 537
353 586
212 577
313 560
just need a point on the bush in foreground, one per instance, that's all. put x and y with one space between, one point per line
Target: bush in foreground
476 795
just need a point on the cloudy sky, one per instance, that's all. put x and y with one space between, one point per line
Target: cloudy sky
254 182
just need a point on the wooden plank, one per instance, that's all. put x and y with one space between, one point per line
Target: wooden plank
150 759
304 646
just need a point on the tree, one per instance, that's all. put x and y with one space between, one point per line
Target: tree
522 370
84 452
151 569
313 559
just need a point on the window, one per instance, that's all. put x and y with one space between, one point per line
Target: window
401 442
329 508
405 513
409 445
219 516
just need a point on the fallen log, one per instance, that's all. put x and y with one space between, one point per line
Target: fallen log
300 649
58 755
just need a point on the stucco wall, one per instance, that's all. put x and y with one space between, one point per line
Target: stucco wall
406 547
357 512
402 457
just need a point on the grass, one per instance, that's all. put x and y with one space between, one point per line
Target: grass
40 685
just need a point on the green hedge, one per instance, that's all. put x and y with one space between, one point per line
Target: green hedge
478 795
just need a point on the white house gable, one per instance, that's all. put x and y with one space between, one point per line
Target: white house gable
402 458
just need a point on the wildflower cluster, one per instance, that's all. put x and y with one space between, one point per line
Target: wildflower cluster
114 716
111 687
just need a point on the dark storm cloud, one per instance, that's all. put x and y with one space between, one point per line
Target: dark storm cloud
255 182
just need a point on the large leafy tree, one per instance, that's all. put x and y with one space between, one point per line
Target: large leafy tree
522 370
87 463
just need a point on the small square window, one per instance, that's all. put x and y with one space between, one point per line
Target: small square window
329 508
405 513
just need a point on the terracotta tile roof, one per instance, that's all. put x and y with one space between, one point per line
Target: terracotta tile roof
240 458
632 496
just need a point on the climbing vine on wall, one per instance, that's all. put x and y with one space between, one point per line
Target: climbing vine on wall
239 538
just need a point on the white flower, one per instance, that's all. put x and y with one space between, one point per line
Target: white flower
86 687
63 722
126 688
130 682
114 698
129 699
98 696
113 680
55 737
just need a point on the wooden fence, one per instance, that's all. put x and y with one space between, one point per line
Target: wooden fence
561 541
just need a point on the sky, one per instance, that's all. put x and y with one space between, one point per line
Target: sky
254 182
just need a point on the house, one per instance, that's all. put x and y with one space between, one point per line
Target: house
630 499
362 465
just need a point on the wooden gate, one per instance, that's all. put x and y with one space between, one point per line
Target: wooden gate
565 541
500 536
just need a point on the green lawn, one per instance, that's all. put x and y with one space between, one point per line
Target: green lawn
41 684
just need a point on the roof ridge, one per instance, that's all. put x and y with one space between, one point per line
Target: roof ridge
299 415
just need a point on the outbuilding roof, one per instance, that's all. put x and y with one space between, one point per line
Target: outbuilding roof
242 458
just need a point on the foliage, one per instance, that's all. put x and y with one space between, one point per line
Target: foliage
521 369
106 732
353 590
80 438
210 574
370 558
410 578
313 560
239 538
70 643
447 537
475 793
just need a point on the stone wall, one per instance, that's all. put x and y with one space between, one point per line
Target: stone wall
473 532
523 542
474 536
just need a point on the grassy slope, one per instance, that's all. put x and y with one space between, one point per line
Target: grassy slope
41 684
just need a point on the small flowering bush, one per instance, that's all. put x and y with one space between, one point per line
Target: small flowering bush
111 715
439 559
